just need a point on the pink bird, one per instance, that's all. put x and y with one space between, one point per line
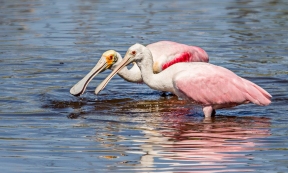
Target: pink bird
213 87
165 53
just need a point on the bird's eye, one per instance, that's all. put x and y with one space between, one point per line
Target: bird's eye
110 57
115 58
133 52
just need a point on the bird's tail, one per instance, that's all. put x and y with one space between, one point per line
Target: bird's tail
257 94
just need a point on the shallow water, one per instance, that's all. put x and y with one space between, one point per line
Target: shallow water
48 46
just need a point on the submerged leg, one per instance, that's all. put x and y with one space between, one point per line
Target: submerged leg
163 94
209 111
213 113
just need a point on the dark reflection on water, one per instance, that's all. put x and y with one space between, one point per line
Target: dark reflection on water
47 46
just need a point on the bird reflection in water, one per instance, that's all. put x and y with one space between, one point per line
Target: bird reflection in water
178 134
212 143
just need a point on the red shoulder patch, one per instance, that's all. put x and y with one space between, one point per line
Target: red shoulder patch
184 57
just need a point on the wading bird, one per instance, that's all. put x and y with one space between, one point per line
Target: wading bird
213 87
165 53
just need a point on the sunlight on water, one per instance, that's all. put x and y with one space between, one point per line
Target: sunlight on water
48 46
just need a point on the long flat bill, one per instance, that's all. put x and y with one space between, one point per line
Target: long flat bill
80 87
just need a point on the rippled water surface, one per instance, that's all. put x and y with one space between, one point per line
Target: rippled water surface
48 46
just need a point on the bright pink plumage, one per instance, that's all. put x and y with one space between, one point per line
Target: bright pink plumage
215 86
184 57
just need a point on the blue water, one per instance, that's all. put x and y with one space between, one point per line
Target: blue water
48 46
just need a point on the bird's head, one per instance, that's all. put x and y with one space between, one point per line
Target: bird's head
135 54
111 58
108 60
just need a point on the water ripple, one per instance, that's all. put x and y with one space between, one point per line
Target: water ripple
47 46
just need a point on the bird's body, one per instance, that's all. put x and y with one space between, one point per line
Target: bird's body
165 54
213 87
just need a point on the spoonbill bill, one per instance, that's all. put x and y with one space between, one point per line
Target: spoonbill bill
211 86
165 53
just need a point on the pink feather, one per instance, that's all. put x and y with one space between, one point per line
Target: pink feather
211 85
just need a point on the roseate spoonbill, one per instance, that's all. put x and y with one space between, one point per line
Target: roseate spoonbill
213 87
166 53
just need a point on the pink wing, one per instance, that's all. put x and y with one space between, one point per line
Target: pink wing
214 85
167 53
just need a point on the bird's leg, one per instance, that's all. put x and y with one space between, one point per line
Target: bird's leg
163 94
213 113
209 111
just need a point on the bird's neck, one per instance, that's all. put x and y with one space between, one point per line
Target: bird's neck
132 75
154 81
146 66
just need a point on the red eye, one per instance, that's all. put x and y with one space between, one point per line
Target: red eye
110 58
133 52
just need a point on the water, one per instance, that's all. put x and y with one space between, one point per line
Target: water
48 46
